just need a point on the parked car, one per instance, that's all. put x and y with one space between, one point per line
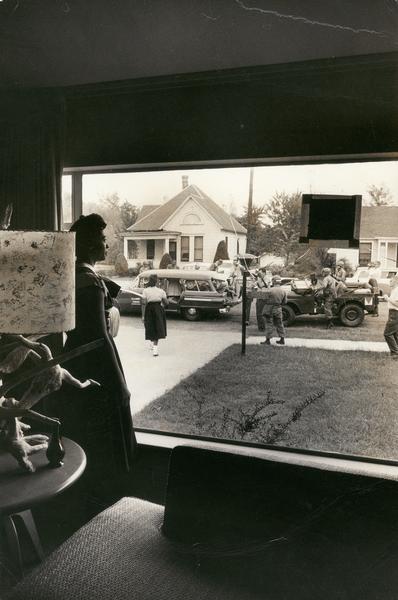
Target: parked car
190 293
350 308
362 276
196 266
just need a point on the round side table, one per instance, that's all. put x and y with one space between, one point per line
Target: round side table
20 492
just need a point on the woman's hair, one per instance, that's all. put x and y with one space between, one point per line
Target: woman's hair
87 231
152 280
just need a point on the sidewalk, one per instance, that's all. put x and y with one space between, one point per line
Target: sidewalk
326 344
149 377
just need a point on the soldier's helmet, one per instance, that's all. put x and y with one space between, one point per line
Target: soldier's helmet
326 271
276 279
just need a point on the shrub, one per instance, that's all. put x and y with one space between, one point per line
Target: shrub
121 264
221 252
165 261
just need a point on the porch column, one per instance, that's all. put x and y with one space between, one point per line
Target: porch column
166 245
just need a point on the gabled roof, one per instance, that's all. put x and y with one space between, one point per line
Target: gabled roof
155 220
379 222
146 209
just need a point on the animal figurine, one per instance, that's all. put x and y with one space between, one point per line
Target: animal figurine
12 430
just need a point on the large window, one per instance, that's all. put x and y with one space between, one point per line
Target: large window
365 253
198 248
331 390
184 248
66 202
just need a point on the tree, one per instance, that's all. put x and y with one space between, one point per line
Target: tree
221 251
128 214
379 196
256 230
284 212
117 217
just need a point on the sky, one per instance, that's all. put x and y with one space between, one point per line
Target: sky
229 187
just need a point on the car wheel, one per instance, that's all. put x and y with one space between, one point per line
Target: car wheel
352 315
191 314
289 316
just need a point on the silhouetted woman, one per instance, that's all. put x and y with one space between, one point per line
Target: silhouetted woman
102 424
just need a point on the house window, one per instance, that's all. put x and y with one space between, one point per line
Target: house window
184 248
226 242
191 219
198 248
365 253
237 246
173 249
150 249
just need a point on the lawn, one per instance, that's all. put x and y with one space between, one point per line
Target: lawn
315 327
297 397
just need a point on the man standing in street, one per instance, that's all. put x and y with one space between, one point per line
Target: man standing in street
273 312
329 294
391 328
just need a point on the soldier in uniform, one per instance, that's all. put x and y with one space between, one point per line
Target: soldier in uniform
329 294
340 277
273 312
340 273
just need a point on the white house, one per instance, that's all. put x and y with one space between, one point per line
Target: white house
378 238
189 227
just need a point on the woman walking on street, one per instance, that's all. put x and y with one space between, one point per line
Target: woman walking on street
153 302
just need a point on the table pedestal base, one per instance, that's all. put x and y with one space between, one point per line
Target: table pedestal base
17 527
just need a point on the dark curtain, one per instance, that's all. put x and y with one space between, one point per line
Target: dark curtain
31 136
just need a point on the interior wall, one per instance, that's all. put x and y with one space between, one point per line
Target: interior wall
326 107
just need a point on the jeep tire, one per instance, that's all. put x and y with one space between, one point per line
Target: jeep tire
352 315
289 316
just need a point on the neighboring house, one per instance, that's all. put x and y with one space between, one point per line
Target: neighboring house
378 238
189 227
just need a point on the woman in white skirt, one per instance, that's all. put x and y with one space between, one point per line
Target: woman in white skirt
153 302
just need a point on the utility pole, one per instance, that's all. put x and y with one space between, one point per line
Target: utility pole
250 212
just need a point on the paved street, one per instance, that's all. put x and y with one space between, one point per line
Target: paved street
190 345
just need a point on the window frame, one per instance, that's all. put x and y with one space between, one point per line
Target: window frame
182 259
196 249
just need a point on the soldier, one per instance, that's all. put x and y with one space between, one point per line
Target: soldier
264 280
255 281
391 328
340 273
329 294
273 312
340 277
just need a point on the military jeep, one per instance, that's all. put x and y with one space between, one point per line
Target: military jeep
349 307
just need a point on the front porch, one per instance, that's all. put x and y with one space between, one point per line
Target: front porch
383 250
150 247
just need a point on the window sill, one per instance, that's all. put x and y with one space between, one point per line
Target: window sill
329 463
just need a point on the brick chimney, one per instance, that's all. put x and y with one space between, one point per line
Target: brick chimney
185 181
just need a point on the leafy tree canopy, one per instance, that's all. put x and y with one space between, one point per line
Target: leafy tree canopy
379 195
118 217
284 214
